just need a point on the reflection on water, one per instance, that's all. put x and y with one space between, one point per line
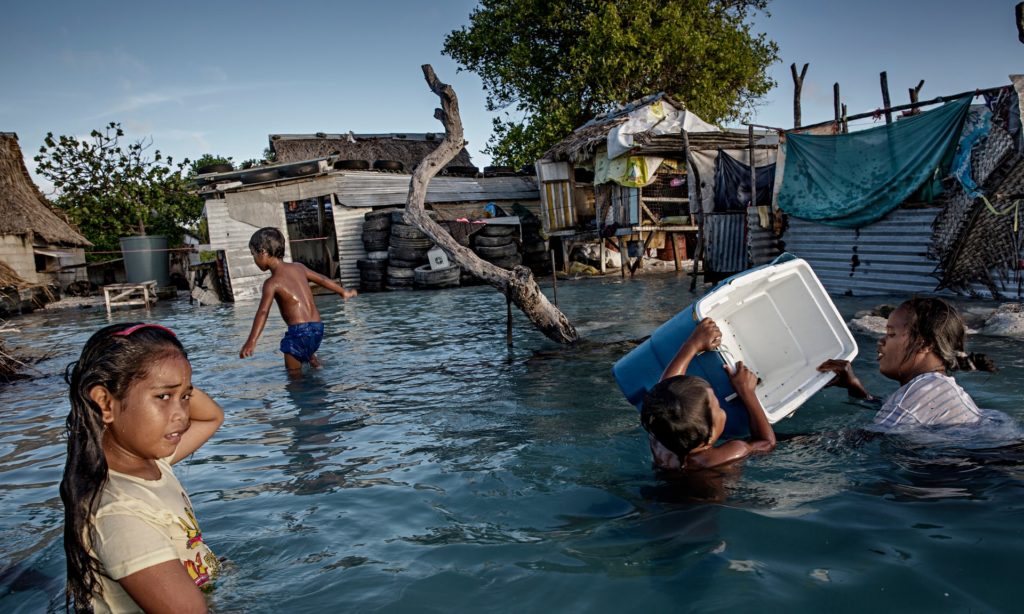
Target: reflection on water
429 467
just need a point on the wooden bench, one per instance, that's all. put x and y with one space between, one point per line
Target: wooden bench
118 295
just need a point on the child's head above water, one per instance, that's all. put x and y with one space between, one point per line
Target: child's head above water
683 414
115 358
269 241
927 324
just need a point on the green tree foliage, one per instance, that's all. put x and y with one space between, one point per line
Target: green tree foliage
553 65
207 160
111 190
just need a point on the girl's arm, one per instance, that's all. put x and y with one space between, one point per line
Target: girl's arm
845 378
703 338
164 587
762 437
205 417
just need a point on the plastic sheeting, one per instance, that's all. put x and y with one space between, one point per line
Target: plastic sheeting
732 184
658 117
852 180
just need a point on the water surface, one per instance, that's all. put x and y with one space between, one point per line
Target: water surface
428 467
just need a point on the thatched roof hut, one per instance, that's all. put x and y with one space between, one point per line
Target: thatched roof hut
23 208
408 149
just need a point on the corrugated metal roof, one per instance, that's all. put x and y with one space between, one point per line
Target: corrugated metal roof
370 189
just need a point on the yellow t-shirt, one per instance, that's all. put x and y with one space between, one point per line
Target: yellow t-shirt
141 523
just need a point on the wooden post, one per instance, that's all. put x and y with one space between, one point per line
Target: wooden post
914 93
835 102
798 85
884 78
693 179
554 278
753 167
623 255
845 122
600 236
675 248
508 326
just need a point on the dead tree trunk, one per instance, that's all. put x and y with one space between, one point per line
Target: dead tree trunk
517 284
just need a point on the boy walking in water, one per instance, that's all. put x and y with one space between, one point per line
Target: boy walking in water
289 286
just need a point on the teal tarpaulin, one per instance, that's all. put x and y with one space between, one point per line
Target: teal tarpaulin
852 180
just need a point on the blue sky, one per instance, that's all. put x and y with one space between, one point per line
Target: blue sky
219 77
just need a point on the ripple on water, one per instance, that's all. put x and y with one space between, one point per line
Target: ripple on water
430 467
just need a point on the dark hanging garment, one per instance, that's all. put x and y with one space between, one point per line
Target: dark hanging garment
732 184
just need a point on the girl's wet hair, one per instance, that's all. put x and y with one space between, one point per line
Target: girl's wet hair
114 357
934 323
268 240
677 411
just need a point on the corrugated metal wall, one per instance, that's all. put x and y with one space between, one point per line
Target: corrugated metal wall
762 243
725 241
232 236
887 257
348 227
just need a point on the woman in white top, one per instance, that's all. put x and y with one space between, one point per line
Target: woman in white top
923 343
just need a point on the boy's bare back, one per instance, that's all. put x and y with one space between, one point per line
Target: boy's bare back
289 286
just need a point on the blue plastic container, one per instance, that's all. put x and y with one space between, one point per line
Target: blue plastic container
776 318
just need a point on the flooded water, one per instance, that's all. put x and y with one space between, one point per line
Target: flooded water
428 467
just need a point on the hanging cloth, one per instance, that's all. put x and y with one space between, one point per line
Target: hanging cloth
852 180
732 183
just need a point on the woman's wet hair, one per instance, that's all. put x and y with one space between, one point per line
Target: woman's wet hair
935 324
115 357
677 412
268 240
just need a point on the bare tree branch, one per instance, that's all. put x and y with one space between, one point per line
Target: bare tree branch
518 284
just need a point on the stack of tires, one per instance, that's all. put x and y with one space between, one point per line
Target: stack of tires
496 243
376 237
535 248
427 278
407 250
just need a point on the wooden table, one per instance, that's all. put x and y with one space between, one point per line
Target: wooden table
118 295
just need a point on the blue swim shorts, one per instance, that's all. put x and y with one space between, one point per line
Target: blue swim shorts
303 340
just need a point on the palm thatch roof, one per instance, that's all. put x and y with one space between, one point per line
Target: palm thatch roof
9 278
23 208
408 149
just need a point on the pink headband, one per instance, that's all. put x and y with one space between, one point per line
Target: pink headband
131 329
